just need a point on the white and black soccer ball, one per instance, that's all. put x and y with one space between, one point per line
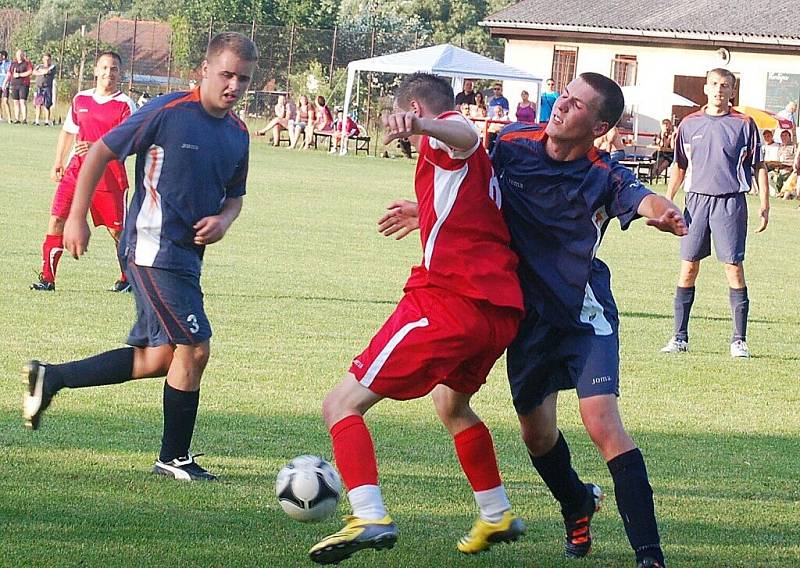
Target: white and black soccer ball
308 488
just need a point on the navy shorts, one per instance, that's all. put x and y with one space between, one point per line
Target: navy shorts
544 359
721 218
169 307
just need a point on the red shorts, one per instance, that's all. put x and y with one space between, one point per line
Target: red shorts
435 337
107 207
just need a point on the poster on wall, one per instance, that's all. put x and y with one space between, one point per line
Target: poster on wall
781 88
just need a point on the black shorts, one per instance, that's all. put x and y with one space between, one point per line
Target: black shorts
19 92
169 307
543 359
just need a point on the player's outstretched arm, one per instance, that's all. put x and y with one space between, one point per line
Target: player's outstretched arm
402 217
763 186
76 229
675 181
662 214
457 134
209 230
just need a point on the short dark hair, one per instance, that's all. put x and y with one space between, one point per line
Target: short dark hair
722 72
47 54
242 46
321 100
4 52
434 92
613 101
108 53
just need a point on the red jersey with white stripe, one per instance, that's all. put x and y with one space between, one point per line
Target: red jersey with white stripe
464 237
89 118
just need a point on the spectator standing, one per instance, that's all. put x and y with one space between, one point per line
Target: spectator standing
467 95
721 148
45 74
526 110
5 66
547 100
20 75
497 99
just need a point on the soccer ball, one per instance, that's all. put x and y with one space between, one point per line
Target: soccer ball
308 488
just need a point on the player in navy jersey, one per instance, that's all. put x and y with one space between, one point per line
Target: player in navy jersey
461 308
559 194
716 152
191 168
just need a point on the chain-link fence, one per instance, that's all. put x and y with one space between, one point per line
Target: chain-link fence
160 57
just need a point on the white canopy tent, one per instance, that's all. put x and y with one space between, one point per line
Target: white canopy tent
445 60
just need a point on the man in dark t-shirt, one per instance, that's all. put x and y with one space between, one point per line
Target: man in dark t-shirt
467 96
19 86
44 74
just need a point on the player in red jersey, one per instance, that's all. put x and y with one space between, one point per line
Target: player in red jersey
461 308
93 113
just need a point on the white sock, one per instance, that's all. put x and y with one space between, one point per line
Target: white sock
367 502
492 503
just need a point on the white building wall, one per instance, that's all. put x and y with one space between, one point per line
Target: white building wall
657 67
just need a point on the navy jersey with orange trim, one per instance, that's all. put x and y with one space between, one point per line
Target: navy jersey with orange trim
557 213
718 152
187 163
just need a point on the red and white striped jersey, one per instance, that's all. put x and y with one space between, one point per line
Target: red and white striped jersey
465 241
92 116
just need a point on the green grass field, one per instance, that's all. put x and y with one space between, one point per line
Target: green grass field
295 290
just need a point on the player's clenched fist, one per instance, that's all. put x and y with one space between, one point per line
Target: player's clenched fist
400 125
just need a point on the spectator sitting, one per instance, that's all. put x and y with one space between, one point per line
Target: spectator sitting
782 169
770 146
611 142
478 110
665 140
497 99
467 95
304 117
498 118
323 122
788 113
279 122
526 110
464 108
350 130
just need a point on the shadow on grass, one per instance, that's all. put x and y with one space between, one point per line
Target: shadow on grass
670 316
80 485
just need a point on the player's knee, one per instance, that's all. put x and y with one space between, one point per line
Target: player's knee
335 407
539 441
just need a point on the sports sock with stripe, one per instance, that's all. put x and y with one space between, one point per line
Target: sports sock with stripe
475 451
354 454
52 249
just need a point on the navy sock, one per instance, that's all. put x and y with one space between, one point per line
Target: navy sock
180 413
740 306
684 298
109 368
635 503
555 468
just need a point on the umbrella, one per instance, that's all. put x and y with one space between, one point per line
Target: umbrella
636 95
765 119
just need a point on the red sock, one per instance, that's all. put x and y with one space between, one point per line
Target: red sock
52 248
354 452
476 453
